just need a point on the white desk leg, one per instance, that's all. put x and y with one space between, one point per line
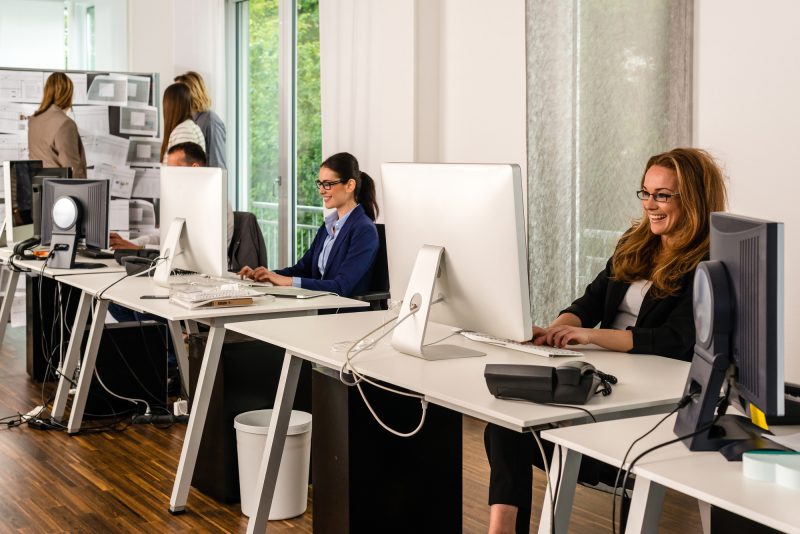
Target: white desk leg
705 515
645 511
87 368
566 492
191 327
197 418
73 354
276 437
8 301
180 352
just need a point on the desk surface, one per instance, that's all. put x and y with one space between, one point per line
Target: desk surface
645 382
707 476
127 292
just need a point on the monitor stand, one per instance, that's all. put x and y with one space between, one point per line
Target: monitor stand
409 334
169 250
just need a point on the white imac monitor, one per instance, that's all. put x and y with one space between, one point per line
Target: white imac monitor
193 219
456 232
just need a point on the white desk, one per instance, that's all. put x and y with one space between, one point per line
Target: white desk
37 267
707 476
647 384
127 293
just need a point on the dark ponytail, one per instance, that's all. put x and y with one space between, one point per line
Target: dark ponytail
345 165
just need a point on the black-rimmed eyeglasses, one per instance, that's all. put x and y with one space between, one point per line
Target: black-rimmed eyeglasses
327 184
658 197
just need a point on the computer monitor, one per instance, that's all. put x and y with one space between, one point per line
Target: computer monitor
456 231
71 210
738 315
194 221
36 193
18 198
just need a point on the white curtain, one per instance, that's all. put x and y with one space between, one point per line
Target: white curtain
609 85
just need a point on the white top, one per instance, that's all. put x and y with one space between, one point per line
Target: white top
186 132
629 308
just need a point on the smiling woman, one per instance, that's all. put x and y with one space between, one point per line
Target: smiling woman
642 302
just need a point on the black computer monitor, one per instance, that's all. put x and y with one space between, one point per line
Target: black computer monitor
738 315
71 210
36 193
17 183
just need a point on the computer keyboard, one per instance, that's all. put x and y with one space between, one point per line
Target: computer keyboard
214 294
530 348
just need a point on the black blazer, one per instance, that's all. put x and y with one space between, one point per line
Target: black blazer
664 326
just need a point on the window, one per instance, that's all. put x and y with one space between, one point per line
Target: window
278 144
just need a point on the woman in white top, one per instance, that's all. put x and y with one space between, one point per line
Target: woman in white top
178 124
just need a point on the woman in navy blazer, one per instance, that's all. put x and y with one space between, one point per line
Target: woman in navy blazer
340 258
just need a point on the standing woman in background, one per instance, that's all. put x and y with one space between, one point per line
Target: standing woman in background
209 122
178 124
52 136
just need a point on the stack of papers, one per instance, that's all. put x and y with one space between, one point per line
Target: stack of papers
212 297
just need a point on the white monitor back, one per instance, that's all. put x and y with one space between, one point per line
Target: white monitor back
474 211
199 195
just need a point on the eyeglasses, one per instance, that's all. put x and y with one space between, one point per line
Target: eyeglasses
327 184
658 197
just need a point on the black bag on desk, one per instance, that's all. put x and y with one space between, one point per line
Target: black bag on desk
570 383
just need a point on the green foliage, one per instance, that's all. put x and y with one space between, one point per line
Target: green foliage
264 107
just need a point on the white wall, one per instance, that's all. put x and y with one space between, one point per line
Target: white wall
32 34
150 38
423 80
111 34
747 111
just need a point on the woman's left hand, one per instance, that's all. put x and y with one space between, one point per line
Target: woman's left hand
279 279
562 335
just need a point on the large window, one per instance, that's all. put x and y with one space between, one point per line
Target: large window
278 134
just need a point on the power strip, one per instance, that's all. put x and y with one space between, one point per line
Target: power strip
31 414
180 407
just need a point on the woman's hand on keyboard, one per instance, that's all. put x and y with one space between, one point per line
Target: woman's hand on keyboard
262 274
538 335
562 335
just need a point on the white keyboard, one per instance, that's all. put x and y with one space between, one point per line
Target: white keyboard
202 296
530 348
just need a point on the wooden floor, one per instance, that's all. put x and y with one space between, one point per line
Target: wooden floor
121 481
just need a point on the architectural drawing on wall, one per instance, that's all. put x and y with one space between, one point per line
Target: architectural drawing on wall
108 149
108 89
14 117
138 91
13 147
21 86
138 121
91 119
147 183
144 152
121 179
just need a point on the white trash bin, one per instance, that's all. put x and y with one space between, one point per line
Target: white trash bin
291 489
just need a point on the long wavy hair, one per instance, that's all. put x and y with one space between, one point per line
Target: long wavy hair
641 255
58 91
177 108
200 99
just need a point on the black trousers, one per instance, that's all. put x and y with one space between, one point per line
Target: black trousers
511 457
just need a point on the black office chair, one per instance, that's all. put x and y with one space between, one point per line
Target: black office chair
247 246
378 292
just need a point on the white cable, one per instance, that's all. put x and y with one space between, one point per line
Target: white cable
546 474
134 401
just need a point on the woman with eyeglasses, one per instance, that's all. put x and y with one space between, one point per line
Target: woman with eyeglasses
642 302
341 256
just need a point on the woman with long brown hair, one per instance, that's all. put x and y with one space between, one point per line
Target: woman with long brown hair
178 124
52 136
642 303
209 122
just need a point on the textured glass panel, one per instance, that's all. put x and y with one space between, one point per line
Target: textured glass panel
607 88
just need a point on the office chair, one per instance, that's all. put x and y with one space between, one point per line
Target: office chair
247 246
378 293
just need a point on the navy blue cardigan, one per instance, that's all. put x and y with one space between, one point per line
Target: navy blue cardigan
349 268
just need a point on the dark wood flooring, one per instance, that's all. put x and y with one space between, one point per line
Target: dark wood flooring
120 481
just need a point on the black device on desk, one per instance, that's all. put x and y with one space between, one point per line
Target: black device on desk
573 382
